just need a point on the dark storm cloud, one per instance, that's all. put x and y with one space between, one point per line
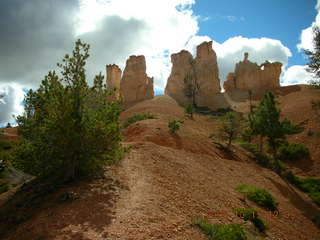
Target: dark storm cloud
112 42
34 34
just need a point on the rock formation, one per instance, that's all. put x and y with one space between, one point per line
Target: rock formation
113 80
194 80
206 73
135 85
249 76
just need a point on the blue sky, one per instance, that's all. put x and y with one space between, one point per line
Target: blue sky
277 19
35 35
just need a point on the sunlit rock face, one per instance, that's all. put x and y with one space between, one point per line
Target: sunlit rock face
250 76
135 85
201 74
114 80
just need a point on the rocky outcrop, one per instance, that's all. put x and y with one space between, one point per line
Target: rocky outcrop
114 80
180 72
194 80
135 85
250 76
206 74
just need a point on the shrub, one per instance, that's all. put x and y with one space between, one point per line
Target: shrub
5 145
309 185
249 214
189 110
292 151
261 158
4 188
174 126
136 118
260 196
233 231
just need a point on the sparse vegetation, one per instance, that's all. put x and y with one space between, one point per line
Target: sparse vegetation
249 214
264 122
260 196
69 130
137 117
4 188
174 125
233 231
189 110
231 125
292 151
310 185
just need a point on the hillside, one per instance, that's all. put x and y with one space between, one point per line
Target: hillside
166 181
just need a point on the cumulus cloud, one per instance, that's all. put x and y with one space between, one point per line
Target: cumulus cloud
35 34
10 102
296 74
306 36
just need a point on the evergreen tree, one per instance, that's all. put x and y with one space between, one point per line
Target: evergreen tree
314 57
68 129
230 128
267 123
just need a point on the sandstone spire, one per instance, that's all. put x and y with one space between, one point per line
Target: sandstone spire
201 73
114 79
135 85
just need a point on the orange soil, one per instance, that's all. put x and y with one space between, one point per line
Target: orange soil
168 180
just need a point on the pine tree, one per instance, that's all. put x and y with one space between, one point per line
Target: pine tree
68 130
230 128
267 123
314 58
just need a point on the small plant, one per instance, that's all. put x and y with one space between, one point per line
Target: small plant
230 127
309 185
262 159
189 110
260 196
174 125
292 151
137 117
249 214
233 231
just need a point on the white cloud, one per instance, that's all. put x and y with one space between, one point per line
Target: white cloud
307 34
10 104
296 74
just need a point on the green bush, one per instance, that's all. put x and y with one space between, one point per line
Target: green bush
189 110
5 145
261 158
4 188
249 214
310 185
292 151
233 231
174 126
137 117
260 196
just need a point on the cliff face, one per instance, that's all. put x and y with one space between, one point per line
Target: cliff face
194 80
249 75
135 85
113 80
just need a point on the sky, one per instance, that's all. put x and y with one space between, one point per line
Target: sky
36 34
